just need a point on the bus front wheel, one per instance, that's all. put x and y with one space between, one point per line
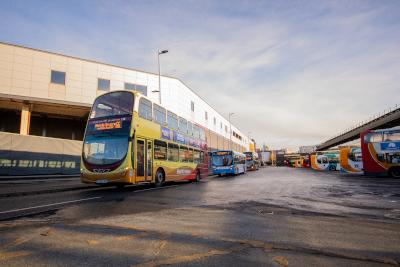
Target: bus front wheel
160 178
395 172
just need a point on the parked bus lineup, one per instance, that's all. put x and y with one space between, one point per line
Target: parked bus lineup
379 154
130 140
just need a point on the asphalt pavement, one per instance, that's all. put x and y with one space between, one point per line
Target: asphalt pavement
271 217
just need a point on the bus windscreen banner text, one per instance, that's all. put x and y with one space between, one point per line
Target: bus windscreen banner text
120 125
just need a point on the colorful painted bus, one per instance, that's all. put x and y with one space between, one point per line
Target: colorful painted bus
381 152
351 159
325 160
293 160
228 162
305 161
130 140
252 162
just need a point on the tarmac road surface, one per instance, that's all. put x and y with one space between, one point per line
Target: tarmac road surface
271 217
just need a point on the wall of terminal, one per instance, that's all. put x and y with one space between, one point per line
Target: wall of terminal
27 155
48 76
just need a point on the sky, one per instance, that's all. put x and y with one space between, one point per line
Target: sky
293 72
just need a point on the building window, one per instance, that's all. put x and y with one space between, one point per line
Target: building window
206 115
140 88
103 84
58 77
220 125
145 111
215 121
226 128
129 86
192 106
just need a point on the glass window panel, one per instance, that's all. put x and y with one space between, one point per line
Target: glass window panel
145 111
173 152
103 84
159 114
141 88
160 150
129 86
115 103
183 154
196 156
190 128
190 155
58 77
183 125
172 121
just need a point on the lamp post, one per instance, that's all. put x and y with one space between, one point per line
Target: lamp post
230 130
160 52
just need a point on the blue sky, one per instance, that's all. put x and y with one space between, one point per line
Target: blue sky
293 72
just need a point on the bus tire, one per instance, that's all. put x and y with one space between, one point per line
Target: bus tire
198 176
394 172
160 178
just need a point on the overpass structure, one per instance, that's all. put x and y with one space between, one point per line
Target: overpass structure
387 119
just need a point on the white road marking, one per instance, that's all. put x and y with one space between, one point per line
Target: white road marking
78 200
49 205
155 188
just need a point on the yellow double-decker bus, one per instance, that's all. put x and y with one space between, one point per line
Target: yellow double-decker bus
130 140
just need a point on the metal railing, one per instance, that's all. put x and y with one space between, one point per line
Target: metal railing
372 118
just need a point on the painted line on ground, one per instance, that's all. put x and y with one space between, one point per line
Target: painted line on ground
49 205
78 200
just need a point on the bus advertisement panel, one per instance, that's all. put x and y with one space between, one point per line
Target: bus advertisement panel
227 162
325 160
381 152
351 160
130 140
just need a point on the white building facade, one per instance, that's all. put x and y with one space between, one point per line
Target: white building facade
49 94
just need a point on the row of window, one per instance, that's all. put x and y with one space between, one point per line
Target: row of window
166 118
173 152
206 118
237 135
58 77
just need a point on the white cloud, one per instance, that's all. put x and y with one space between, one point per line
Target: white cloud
294 73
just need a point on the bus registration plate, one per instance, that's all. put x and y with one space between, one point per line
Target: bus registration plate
102 181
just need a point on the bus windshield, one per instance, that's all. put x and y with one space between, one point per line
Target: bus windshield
104 149
111 104
106 140
249 156
222 160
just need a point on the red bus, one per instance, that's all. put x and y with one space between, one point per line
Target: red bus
381 152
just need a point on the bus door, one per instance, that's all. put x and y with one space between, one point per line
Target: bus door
144 160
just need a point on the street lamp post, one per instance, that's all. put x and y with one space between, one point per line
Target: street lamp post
160 52
230 130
